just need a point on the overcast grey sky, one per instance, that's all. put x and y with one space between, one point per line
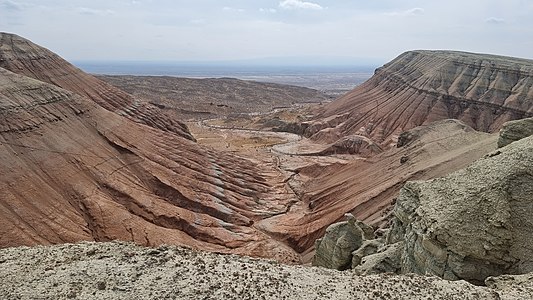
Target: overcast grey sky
207 30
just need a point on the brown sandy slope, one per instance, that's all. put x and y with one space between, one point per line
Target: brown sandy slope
23 57
72 170
208 98
367 188
420 87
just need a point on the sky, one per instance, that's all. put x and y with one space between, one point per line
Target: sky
313 31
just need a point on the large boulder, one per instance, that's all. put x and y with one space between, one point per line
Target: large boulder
334 250
473 223
515 130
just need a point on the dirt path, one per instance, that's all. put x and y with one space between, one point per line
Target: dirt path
289 137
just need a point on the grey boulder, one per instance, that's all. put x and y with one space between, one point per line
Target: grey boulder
515 130
334 250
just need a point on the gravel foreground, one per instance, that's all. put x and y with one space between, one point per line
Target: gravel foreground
120 270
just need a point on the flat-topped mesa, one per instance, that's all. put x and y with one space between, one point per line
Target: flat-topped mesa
206 98
22 56
419 87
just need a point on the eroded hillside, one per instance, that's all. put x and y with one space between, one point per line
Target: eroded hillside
378 120
419 87
23 57
73 169
368 188
87 161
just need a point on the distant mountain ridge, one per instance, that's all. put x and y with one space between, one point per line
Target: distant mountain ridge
212 97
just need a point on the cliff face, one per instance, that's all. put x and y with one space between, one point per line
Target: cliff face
23 57
73 170
419 87
468 225
472 223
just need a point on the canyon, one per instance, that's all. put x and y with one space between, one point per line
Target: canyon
81 164
237 167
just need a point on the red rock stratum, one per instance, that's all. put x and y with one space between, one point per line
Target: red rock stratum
82 160
23 57
367 188
419 87
74 169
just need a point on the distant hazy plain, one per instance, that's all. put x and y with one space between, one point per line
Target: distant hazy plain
332 79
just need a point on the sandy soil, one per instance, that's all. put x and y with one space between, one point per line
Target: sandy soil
288 150
126 271
279 153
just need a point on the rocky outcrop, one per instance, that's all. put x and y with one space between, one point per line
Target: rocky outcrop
377 260
21 56
317 126
353 144
420 87
335 249
515 130
471 224
291 127
351 244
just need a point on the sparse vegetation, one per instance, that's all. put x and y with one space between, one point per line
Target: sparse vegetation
67 272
